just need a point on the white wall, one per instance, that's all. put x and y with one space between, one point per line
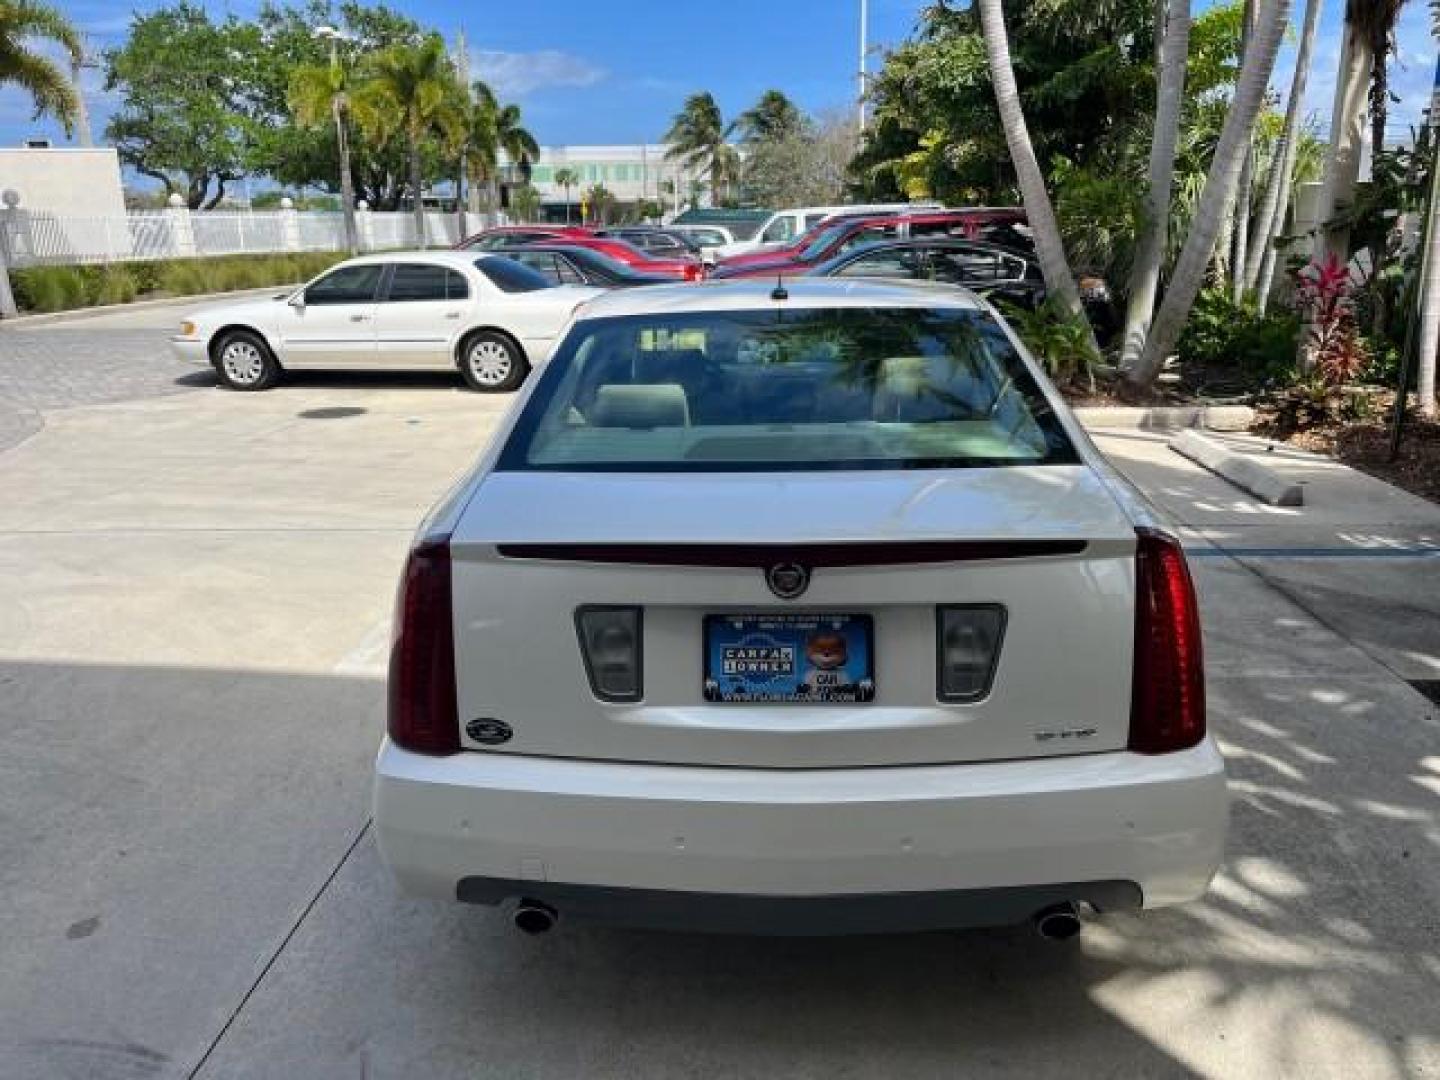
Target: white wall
69 181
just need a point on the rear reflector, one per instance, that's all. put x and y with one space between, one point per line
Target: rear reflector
967 645
1167 704
610 643
423 715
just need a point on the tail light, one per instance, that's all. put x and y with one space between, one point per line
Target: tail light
1167 703
694 272
610 643
423 713
967 646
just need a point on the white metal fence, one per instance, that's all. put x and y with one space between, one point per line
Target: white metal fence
39 239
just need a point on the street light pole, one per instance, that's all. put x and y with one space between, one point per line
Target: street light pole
342 141
864 48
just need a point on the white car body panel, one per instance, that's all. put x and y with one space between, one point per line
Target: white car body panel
414 335
1030 785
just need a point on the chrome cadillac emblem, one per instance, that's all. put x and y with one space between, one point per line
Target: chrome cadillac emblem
787 580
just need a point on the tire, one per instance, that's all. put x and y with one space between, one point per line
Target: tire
492 363
244 362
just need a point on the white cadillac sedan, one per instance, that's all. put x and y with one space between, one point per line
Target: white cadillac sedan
416 311
797 609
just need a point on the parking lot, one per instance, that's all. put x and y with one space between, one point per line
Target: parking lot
194 595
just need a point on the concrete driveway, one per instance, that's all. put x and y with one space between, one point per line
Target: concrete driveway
194 587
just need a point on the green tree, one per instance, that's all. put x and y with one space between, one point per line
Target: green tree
22 24
187 106
599 199
321 94
697 137
480 140
409 90
567 178
303 155
525 201
773 118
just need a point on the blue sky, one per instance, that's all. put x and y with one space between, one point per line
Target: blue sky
594 73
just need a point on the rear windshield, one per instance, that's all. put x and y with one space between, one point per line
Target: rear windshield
510 276
793 389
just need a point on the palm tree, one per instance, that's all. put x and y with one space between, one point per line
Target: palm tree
409 88
1270 218
22 23
519 145
697 138
567 178
1369 26
599 199
1169 96
525 201
770 119
1049 249
1220 184
320 94
479 141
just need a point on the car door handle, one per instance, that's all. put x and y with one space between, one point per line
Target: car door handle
452 314
359 318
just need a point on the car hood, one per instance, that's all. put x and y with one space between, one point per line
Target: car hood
253 310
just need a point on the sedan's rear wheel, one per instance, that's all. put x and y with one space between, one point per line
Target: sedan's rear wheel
244 362
492 363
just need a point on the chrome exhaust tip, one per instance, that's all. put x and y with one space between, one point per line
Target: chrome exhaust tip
532 917
1058 922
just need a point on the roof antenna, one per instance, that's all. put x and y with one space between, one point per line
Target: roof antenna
779 293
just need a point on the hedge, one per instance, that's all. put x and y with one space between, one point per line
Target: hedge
64 288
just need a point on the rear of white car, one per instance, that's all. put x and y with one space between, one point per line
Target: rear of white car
809 613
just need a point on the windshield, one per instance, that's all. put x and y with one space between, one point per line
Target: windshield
823 239
797 389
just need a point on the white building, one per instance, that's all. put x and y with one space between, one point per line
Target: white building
74 193
629 173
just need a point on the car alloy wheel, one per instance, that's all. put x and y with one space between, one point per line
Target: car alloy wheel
242 362
490 363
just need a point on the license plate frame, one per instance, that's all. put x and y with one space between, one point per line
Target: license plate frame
766 658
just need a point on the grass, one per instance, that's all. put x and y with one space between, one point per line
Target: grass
65 288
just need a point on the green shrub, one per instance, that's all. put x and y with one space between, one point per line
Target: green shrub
49 288
1061 341
62 288
1219 334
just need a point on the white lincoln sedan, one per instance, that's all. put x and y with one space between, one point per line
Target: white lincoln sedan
418 311
797 609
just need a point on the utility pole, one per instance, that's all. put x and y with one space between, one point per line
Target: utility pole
462 71
864 48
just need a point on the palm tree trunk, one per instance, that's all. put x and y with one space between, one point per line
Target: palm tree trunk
1347 134
1170 92
1240 229
1270 220
1220 184
1049 249
347 182
419 203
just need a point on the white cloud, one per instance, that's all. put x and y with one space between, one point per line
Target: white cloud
513 74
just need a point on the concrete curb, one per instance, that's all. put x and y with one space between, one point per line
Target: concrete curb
1239 469
43 317
1166 417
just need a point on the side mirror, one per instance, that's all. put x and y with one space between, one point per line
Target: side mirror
298 301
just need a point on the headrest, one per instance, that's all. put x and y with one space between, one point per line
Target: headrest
648 405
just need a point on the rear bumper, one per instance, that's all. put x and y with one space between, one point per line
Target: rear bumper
958 844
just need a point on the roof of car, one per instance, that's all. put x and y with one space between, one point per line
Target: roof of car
441 256
747 294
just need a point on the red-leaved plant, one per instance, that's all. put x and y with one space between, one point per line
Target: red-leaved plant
1323 294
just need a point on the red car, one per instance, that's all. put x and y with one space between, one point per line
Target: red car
506 236
837 237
